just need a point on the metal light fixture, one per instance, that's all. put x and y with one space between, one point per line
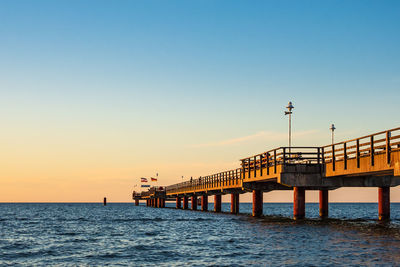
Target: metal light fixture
333 128
289 112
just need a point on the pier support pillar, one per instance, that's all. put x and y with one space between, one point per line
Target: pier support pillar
194 202
257 203
185 202
162 203
235 203
323 203
204 202
152 202
217 203
299 203
178 202
384 203
136 202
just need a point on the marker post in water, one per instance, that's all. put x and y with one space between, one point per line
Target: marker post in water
105 202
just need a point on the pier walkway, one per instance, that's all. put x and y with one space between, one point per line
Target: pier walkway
368 161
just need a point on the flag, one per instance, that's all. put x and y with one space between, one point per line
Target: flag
144 180
153 179
145 185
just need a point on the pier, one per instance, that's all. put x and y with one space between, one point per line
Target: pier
367 161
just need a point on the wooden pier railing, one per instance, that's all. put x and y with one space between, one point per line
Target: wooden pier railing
280 156
356 150
209 182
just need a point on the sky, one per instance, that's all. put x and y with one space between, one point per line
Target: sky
96 94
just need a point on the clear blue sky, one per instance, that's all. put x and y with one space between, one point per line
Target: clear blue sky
158 83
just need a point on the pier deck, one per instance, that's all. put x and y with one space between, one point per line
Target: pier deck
368 161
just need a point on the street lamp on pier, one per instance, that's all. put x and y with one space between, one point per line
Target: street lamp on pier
289 112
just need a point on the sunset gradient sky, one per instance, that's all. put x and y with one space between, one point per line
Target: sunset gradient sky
96 94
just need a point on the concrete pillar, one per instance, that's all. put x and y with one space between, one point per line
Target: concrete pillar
384 203
323 203
194 202
299 203
178 202
257 203
136 202
235 203
204 202
185 202
217 203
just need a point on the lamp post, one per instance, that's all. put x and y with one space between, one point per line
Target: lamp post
289 112
333 132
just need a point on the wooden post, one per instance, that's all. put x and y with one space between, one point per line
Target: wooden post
178 202
185 202
388 147
255 166
284 156
384 203
372 151
345 155
323 155
323 203
249 167
217 203
204 202
136 202
333 158
358 153
194 202
298 203
257 203
234 203
105 201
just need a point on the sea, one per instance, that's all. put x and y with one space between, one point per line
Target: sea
121 234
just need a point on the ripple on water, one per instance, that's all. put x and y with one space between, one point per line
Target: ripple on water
90 234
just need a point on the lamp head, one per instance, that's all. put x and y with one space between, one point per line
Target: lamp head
290 106
332 127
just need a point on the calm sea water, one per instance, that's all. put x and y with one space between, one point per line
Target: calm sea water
122 234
